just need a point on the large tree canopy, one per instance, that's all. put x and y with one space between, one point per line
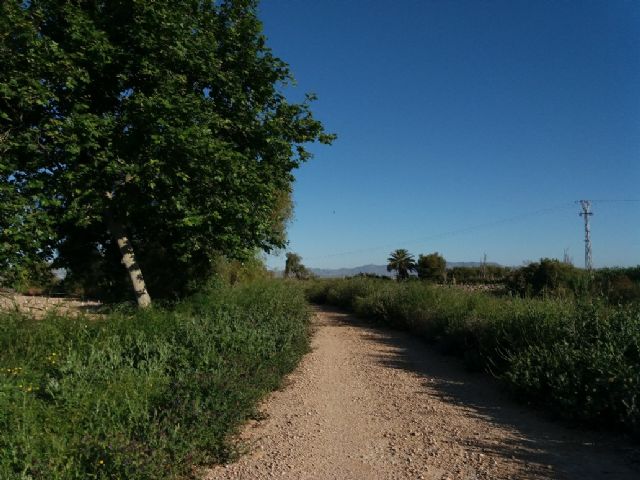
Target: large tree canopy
162 123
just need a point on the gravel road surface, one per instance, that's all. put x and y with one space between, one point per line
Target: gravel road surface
378 404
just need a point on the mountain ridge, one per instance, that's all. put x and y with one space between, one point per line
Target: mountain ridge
381 270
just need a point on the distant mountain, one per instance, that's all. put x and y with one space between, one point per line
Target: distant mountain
378 269
349 272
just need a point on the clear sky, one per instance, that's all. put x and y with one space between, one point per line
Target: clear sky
453 115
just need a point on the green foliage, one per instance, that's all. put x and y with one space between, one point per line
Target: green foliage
548 277
294 267
32 276
478 275
432 267
231 271
554 278
580 360
590 369
340 293
402 262
26 231
147 394
165 116
618 285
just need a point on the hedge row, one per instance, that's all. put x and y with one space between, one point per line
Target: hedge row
579 359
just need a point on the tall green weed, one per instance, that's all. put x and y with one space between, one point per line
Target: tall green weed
579 359
143 395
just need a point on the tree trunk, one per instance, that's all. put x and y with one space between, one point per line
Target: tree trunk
129 261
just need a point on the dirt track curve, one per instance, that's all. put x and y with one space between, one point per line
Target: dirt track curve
377 404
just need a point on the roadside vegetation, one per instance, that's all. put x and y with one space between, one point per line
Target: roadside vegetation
143 394
141 143
294 268
570 343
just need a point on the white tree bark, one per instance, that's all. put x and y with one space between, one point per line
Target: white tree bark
129 261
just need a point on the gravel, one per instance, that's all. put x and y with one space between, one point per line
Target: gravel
379 404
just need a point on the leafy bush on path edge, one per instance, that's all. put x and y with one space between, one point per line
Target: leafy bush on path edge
579 359
144 394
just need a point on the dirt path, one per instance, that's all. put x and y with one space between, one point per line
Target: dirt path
38 306
378 404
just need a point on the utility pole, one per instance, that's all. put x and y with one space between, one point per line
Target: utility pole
484 267
586 213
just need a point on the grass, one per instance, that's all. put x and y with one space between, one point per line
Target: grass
143 395
579 359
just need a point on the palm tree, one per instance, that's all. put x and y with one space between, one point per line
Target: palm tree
402 262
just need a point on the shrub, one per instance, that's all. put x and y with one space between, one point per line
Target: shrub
488 273
589 370
432 267
548 277
618 285
145 394
579 359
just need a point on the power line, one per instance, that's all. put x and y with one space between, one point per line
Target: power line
516 218
616 200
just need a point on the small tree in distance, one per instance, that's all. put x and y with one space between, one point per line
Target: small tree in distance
294 267
432 267
402 262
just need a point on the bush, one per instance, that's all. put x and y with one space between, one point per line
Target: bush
589 370
548 278
618 285
489 273
432 267
32 277
146 394
579 359
554 278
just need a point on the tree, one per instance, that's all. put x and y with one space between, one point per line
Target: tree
432 267
154 132
294 267
402 262
24 233
547 277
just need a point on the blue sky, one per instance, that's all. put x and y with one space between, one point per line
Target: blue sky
457 114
